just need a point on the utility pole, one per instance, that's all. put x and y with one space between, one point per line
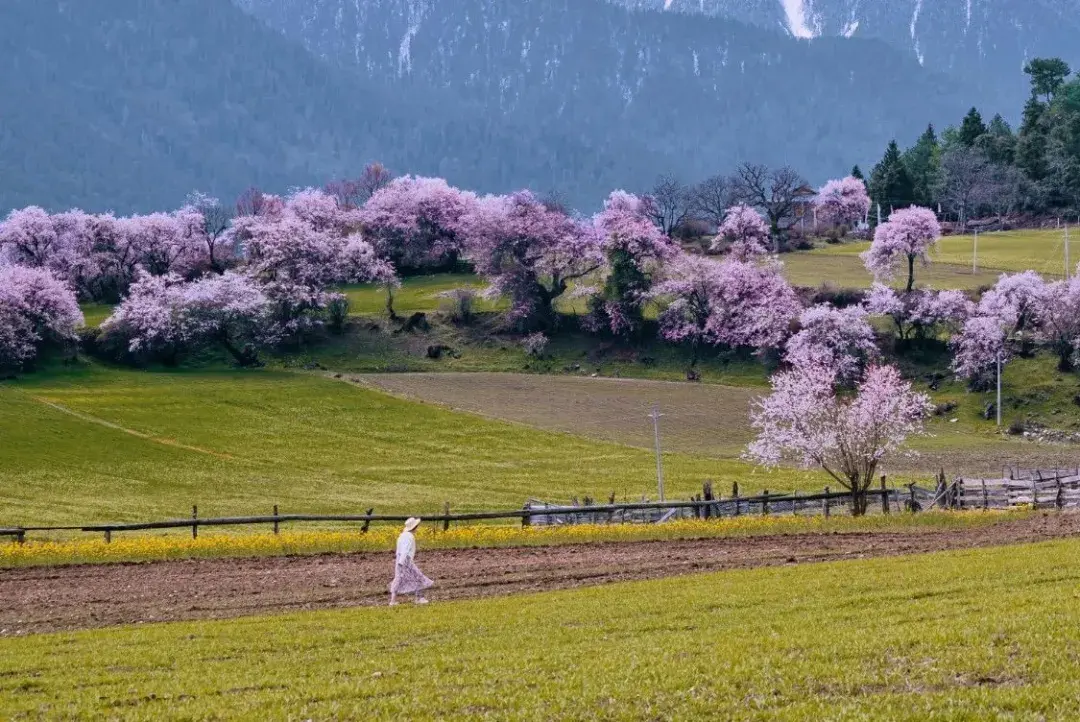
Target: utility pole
975 254
999 389
655 416
1067 269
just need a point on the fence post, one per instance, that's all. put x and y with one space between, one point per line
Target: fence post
20 536
446 514
367 522
735 495
194 522
825 503
795 503
986 497
108 536
1034 494
1060 498
275 519
526 520
884 496
707 495
765 503
960 493
911 492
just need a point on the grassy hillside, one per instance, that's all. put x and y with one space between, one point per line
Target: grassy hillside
101 444
913 638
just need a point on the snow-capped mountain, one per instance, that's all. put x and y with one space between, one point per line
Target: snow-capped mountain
695 94
969 38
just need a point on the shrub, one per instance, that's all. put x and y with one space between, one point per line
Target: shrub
337 314
458 305
535 344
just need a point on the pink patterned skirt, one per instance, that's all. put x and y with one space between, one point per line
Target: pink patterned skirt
408 579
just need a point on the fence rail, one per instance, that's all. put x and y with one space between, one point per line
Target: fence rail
533 512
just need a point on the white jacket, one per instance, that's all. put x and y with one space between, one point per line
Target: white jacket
406 547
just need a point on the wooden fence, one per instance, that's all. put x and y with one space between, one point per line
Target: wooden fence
704 506
1040 488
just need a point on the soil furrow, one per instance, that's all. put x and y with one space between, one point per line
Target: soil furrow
87 596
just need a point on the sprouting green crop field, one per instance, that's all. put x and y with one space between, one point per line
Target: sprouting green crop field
941 636
95 444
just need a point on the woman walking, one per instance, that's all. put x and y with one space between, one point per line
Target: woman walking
408 579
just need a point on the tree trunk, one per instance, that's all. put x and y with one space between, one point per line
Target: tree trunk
390 303
858 501
244 357
910 272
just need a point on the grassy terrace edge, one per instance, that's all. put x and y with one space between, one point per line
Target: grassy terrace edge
165 547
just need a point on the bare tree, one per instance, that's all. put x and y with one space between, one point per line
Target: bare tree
773 192
671 199
251 202
1007 187
216 219
964 182
375 177
710 200
354 193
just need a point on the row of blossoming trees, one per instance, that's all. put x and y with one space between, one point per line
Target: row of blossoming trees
268 272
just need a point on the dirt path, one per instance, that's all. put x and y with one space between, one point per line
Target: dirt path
77 597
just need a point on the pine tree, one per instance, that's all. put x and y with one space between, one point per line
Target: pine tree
998 144
1032 143
890 184
922 162
971 128
856 172
1047 75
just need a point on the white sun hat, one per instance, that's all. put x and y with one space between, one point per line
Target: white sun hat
411 523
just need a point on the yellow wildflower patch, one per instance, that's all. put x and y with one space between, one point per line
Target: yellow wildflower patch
165 547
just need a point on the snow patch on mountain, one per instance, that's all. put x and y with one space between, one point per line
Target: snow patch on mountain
800 20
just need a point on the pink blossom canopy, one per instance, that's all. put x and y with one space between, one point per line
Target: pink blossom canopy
805 421
843 201
837 338
744 232
908 235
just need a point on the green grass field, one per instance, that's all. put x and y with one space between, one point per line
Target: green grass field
1003 252
934 637
99 444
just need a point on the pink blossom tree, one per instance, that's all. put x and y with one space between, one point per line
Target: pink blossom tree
530 254
28 237
837 338
298 250
909 234
734 303
920 313
416 222
634 248
1015 301
37 310
61 242
744 233
1058 321
848 436
165 316
977 349
842 202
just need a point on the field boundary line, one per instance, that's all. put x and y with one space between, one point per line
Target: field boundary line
90 418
